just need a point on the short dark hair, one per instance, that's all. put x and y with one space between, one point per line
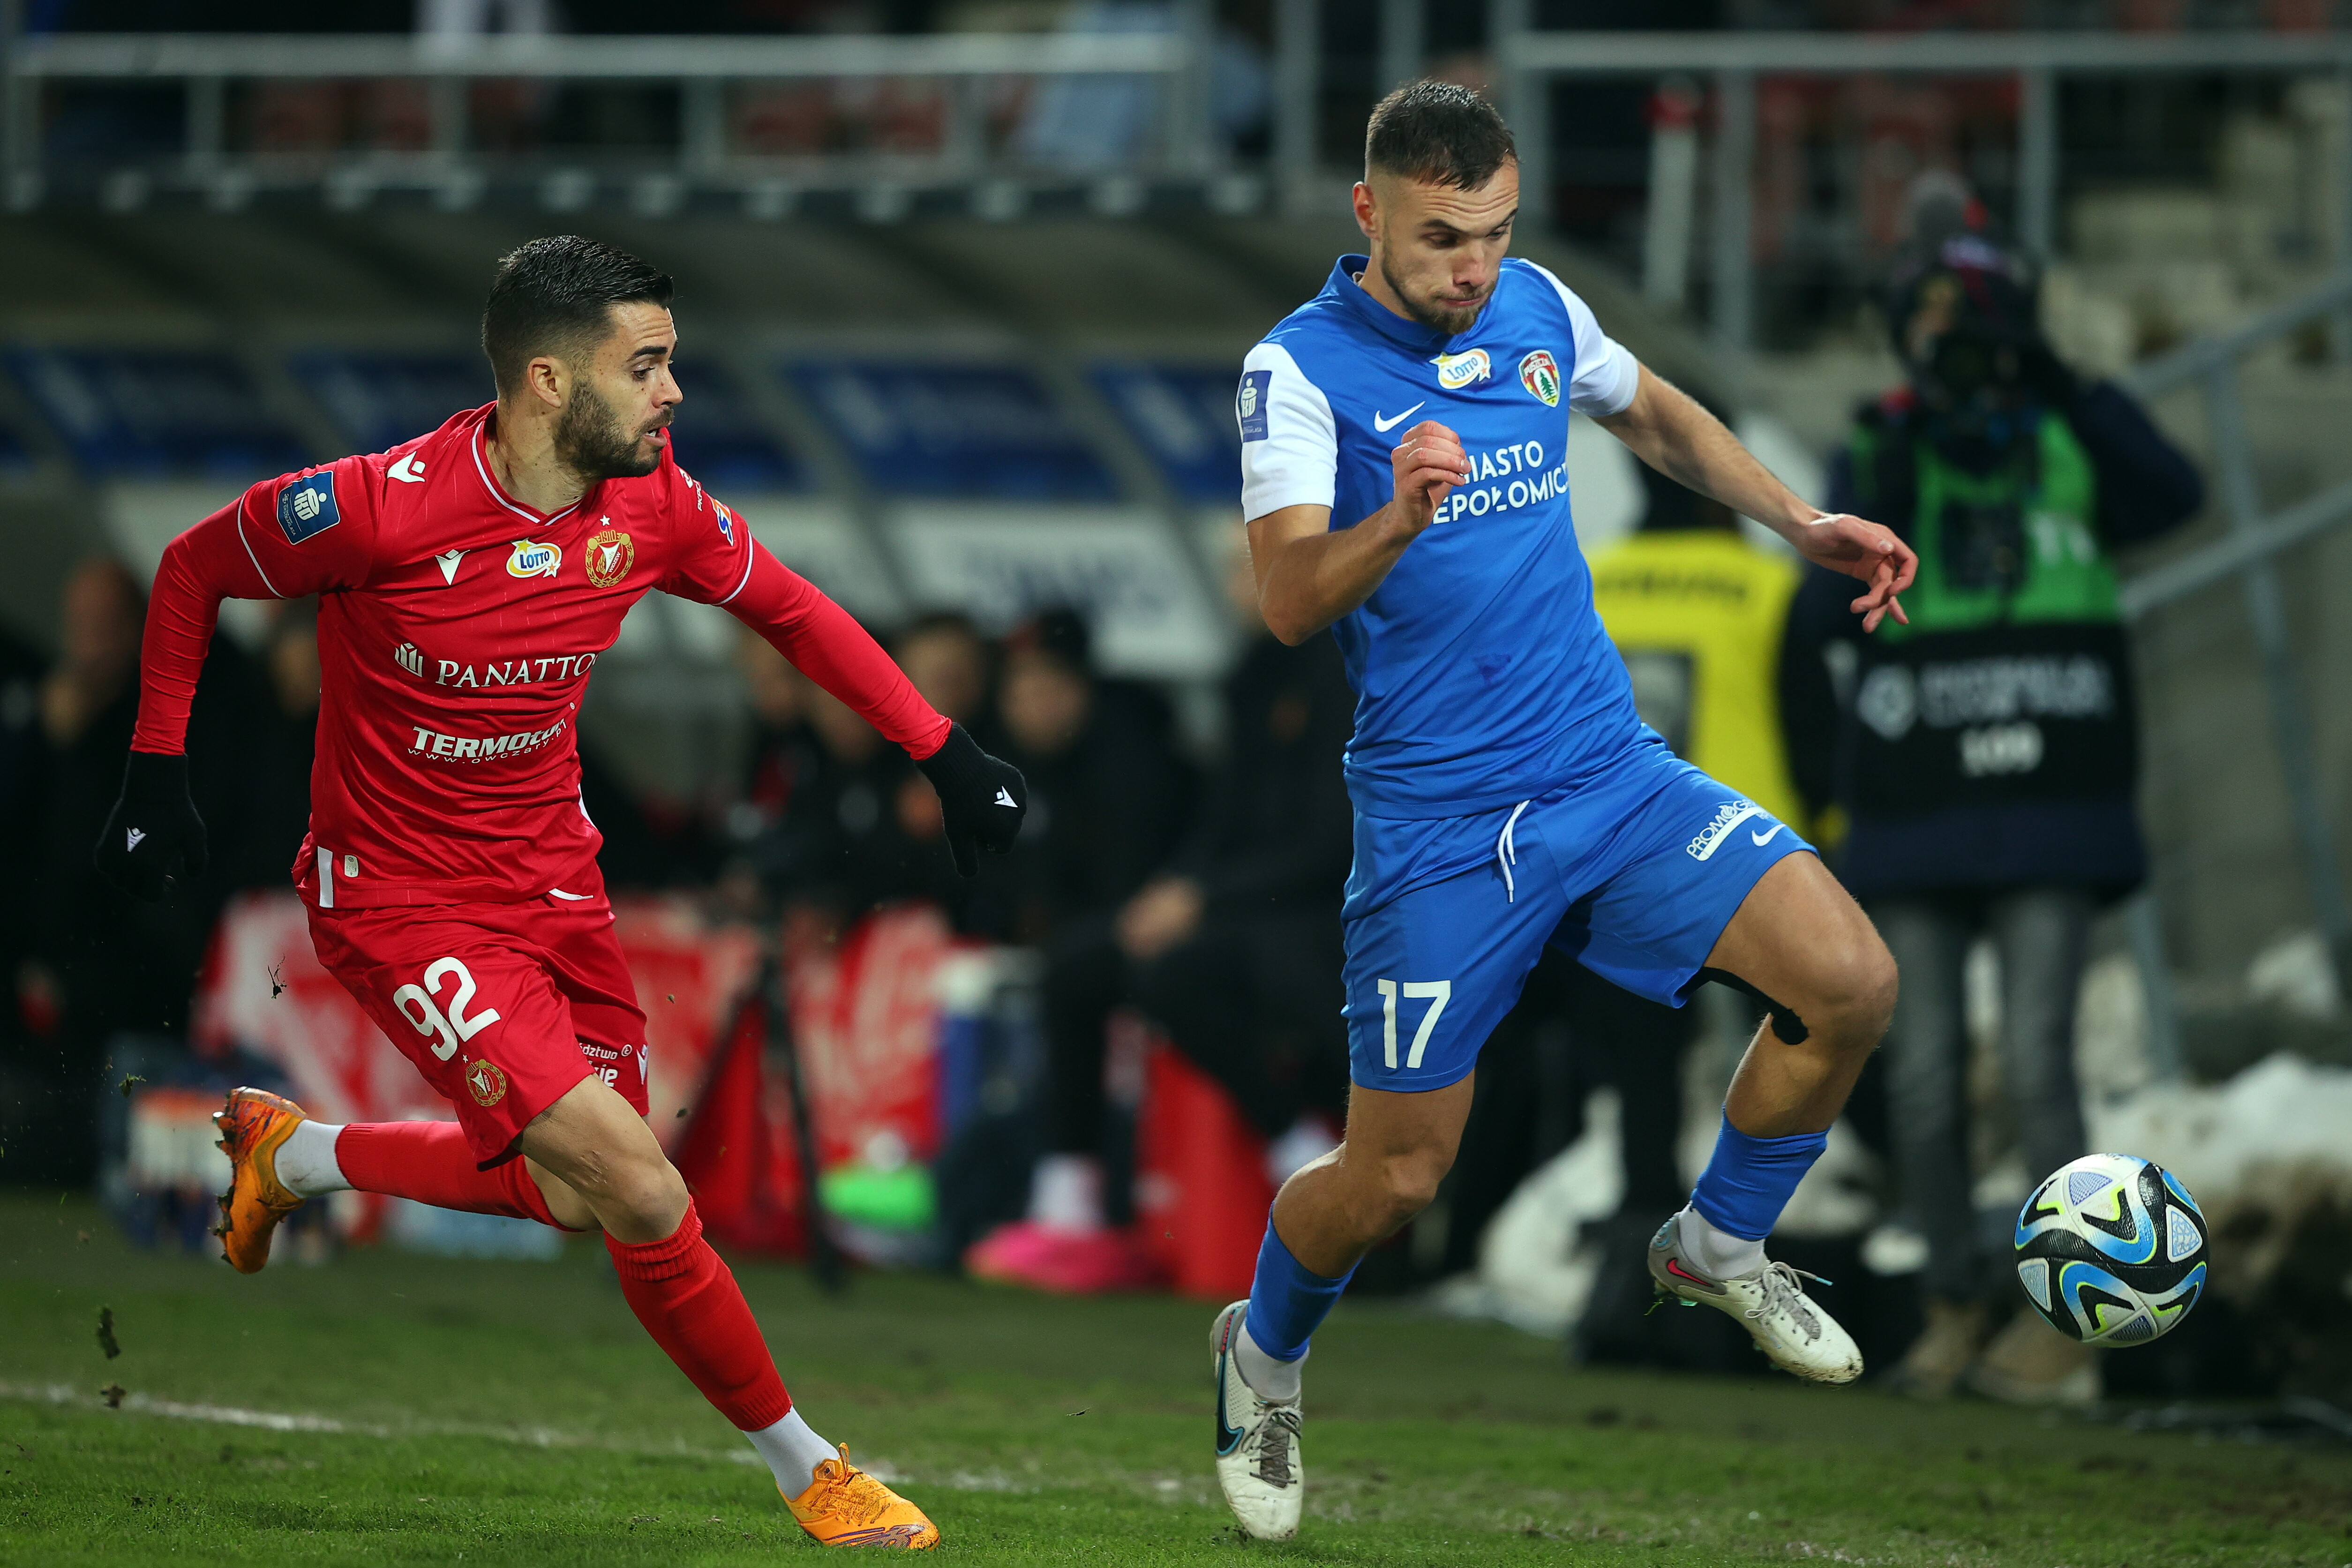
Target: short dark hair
1438 131
556 294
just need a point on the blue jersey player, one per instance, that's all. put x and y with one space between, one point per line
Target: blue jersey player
1402 438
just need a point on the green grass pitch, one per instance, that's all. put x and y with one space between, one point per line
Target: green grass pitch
487 1413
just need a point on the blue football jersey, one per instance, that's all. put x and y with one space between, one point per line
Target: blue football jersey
1482 675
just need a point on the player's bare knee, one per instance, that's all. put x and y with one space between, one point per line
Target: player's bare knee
1857 995
1873 980
640 1199
1409 1183
646 1178
1885 982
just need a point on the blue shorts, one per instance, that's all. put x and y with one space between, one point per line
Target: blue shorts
1634 871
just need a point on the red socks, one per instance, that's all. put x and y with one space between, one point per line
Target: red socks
682 1292
428 1161
688 1301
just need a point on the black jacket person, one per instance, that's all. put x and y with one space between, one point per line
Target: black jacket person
1992 741
1985 755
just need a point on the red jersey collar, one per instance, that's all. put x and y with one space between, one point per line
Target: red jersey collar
498 495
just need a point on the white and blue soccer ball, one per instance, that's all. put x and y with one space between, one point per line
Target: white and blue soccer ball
2111 1250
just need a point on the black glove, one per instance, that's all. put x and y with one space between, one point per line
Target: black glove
154 836
983 799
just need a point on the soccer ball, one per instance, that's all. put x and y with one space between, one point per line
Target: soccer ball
2111 1249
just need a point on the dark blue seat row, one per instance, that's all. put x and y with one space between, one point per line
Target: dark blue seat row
983 431
154 413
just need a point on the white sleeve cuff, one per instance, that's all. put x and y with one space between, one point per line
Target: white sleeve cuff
1604 377
1290 445
1610 386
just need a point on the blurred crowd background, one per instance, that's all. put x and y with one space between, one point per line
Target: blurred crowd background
960 327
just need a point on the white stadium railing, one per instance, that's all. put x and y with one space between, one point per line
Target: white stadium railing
2248 551
702 69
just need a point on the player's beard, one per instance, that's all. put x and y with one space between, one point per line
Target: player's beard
1451 319
592 442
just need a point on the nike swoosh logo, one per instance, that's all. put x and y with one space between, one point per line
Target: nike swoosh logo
1229 1437
1385 426
1761 840
1678 1271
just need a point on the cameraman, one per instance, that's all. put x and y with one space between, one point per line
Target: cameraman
1985 755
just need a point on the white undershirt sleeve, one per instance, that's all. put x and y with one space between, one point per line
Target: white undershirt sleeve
1290 446
1605 376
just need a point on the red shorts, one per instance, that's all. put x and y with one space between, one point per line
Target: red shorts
503 1007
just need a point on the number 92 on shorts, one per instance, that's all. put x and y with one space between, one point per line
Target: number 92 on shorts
504 1008
1635 875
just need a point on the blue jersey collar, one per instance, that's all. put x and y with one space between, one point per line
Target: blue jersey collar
1398 330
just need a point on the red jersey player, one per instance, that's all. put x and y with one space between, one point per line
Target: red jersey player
468 583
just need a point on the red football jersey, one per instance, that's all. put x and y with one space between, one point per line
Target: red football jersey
457 630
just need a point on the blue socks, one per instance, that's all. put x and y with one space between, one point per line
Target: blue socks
1287 1301
1746 1183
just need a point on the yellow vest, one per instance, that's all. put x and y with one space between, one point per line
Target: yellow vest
1698 615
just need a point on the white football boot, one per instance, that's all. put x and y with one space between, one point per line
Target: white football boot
1787 1325
1257 1443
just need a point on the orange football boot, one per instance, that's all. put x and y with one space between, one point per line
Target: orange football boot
252 1127
846 1507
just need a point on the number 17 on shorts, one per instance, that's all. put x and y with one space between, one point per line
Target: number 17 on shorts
1435 993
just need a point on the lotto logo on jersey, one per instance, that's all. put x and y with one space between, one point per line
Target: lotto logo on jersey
306 507
1540 374
1455 372
611 553
530 560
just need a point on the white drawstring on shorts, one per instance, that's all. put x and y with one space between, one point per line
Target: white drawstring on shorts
1507 854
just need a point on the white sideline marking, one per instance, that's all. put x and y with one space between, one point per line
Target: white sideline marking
285 1421
227 1415
533 1436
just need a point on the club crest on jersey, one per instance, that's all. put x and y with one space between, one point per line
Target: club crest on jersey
306 507
530 560
1540 374
610 555
486 1082
1455 372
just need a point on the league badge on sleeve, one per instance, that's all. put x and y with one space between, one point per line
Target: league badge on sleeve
1250 403
307 505
1540 374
